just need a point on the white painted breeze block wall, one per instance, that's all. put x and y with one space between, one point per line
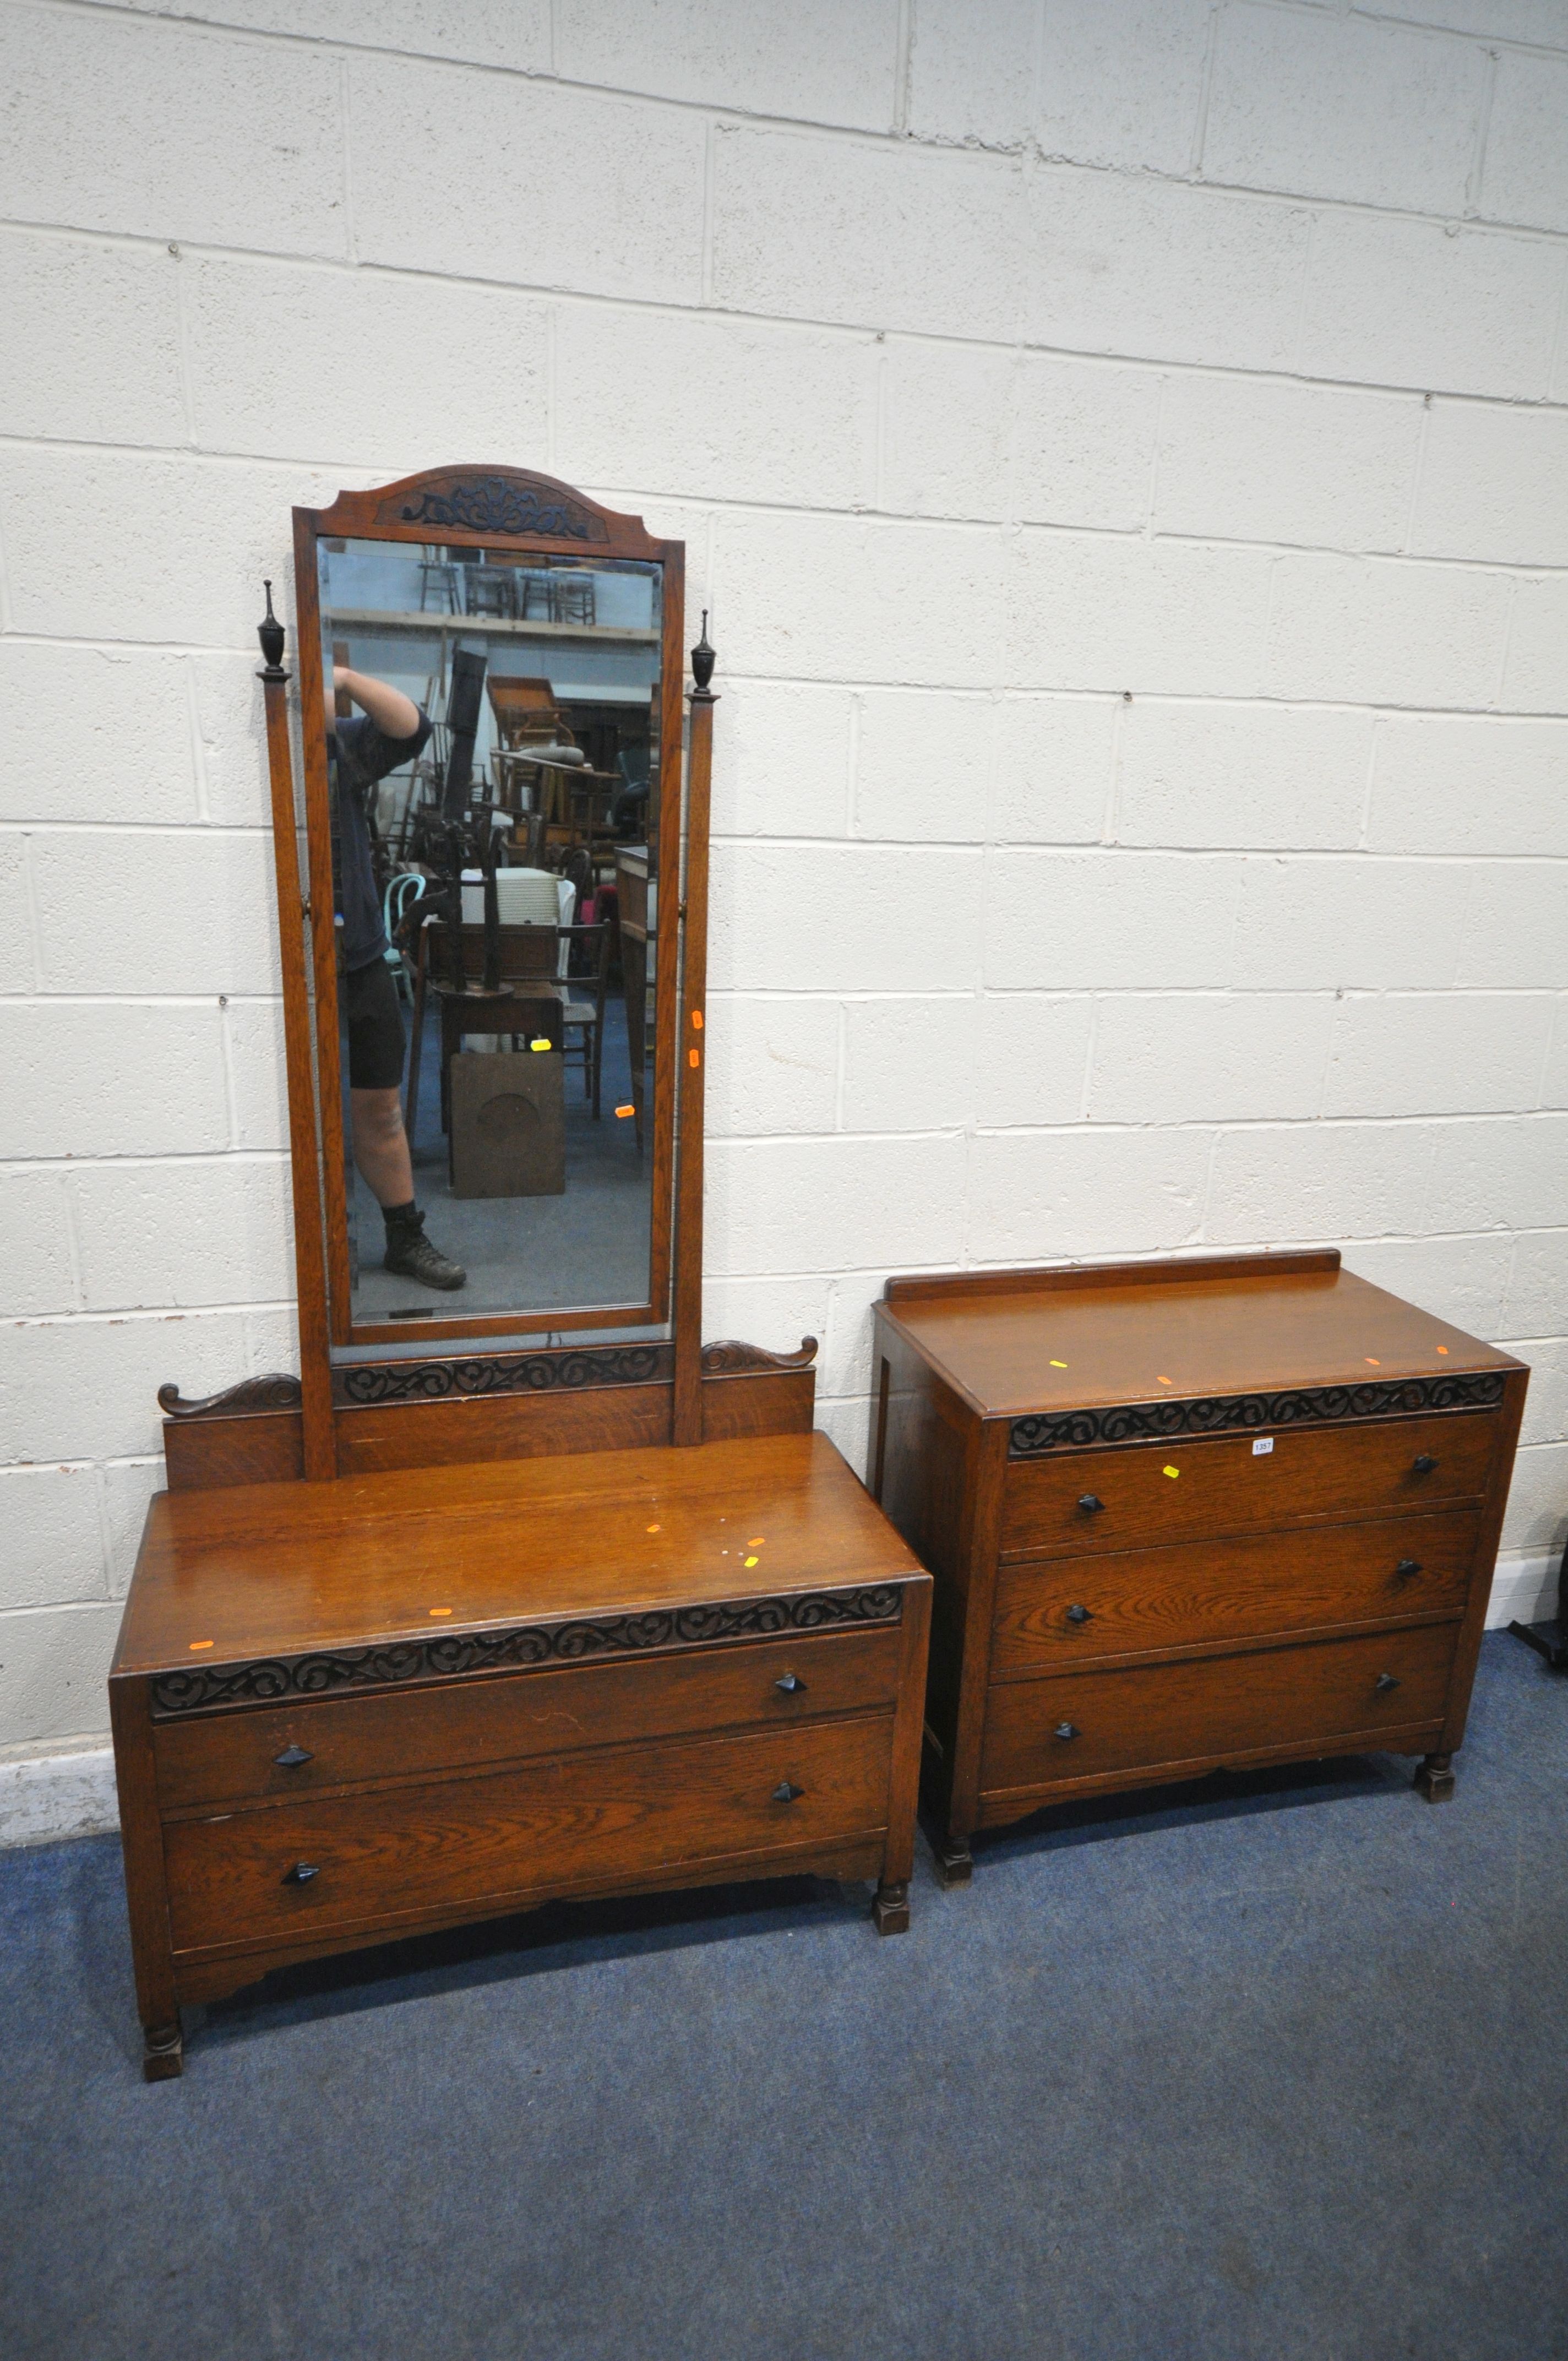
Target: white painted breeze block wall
1123 446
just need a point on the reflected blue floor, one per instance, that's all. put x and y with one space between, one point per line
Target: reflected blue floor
1271 2069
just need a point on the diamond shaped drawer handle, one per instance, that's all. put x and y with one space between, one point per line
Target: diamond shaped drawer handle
1066 1729
301 1873
785 1794
791 1683
292 1756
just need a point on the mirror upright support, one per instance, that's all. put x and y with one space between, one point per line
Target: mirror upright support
693 1061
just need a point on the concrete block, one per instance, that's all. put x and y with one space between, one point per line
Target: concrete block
88 1387
839 598
749 411
886 237
1537 1517
1546 1404
781 764
35 1221
258 1074
1157 269
774 1312
909 1065
923 765
53 1664
1399 301
1255 460
128 1487
1319 1181
54 1536
155 911
1052 782
1037 1196
1383 630
1543 21
1495 482
971 70
1209 1057
859 919
1460 1279
67 302
1437 1053
850 1426
847 1361
69 1793
1497 1172
358 365
153 1236
153 130
1083 921
231 739
1249 776
1554 1076
1344 922
514 33
19 965
773 1065
1324 105
112 1078
124 545
948 429
415 132
1535 679
833 1204
1536 1303
829 62
96 733
1469 783
1516 927
1525 178
1121 81
1102 611
1034 1056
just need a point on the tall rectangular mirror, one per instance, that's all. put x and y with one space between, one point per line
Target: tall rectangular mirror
490 692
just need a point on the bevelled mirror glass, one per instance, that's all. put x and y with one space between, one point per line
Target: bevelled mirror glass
492 766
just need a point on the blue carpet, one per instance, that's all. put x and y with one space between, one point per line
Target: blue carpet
1274 2069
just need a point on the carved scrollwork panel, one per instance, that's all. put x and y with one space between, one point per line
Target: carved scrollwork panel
504 504
508 1373
1150 1421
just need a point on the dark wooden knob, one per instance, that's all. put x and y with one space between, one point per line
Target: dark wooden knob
1090 1501
1423 1463
301 1873
791 1683
1078 1615
785 1794
292 1757
1066 1729
1384 1682
1406 1567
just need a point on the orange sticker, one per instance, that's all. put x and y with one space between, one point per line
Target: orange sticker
655 1529
693 1058
1370 1362
200 1644
1162 1381
626 1110
758 1543
441 1610
697 1020
1442 1348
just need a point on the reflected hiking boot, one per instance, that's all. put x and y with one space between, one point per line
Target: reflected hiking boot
410 1254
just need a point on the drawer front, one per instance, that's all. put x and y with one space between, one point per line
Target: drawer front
1226 1485
400 1734
621 1814
1156 1714
1052 1613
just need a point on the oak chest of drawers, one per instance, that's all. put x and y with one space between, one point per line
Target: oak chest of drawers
1186 1515
353 1711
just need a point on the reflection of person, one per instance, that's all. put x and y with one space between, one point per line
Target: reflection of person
390 729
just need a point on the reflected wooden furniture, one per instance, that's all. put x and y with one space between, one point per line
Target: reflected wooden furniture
1187 1515
344 1713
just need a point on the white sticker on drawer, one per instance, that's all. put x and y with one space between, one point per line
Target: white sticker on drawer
1264 1442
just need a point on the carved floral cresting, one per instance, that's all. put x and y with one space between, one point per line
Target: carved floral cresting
447 1655
497 504
1074 1430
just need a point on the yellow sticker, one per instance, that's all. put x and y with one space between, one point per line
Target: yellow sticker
1170 1471
655 1529
199 1643
441 1610
750 1561
540 1044
1059 1365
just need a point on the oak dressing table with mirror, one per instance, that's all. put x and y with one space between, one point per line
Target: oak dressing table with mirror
518 1590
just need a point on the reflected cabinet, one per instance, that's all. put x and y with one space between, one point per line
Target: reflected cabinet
518 1589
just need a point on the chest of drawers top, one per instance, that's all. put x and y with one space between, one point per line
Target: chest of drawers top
1128 1353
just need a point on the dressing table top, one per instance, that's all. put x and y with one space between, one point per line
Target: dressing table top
276 1569
1017 1341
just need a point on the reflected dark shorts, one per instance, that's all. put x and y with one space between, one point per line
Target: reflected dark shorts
375 1020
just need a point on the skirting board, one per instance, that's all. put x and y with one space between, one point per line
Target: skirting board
44 1797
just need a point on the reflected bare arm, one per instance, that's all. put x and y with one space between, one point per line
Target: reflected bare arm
394 715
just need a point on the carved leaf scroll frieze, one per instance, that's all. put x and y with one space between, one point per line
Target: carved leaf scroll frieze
1077 1430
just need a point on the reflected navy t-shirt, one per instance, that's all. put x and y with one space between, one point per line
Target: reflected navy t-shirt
358 755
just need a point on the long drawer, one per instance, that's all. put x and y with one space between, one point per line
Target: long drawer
1140 1494
255 1751
1055 1612
294 1870
1080 1725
